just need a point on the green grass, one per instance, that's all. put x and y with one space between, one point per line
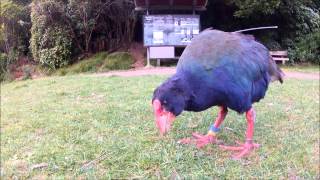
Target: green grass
302 68
99 62
93 127
91 64
117 60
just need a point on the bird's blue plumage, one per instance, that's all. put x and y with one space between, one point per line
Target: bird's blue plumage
221 68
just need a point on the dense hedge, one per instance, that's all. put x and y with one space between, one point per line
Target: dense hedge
50 40
307 49
57 53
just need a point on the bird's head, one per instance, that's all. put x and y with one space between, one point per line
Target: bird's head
163 118
167 103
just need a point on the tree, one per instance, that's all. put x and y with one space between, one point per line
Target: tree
14 28
247 8
84 16
68 28
14 34
88 18
296 19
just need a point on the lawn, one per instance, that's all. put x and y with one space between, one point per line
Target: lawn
91 127
301 68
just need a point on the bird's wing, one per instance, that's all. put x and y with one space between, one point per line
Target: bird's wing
239 55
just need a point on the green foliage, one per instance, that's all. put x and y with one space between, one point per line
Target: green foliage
84 15
307 48
296 19
51 42
269 40
252 7
299 18
104 25
3 66
57 52
5 61
63 30
117 60
14 27
10 10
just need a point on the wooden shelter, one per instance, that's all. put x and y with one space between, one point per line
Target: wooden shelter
164 33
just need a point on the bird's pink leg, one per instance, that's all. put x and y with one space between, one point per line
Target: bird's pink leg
248 146
210 137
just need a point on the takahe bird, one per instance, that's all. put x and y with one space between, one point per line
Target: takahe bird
225 69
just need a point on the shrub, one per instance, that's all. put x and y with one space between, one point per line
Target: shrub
117 60
3 65
307 48
5 61
57 54
50 41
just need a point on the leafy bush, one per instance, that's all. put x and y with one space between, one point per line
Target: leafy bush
117 61
57 54
5 61
50 41
3 66
307 48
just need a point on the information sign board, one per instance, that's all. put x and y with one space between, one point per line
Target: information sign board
170 30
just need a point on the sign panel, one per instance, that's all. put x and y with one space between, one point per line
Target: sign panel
170 30
162 52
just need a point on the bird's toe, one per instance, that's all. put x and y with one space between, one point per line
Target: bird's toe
185 141
199 140
244 148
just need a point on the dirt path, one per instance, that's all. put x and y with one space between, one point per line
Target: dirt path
172 70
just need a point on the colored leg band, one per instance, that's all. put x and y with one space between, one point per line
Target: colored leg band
213 130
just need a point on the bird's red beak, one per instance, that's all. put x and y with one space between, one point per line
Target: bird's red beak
163 118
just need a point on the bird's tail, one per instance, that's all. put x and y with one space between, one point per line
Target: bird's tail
275 72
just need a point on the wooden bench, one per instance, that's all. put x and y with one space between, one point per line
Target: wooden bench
280 56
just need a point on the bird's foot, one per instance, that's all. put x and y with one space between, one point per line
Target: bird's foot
199 140
245 149
203 140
